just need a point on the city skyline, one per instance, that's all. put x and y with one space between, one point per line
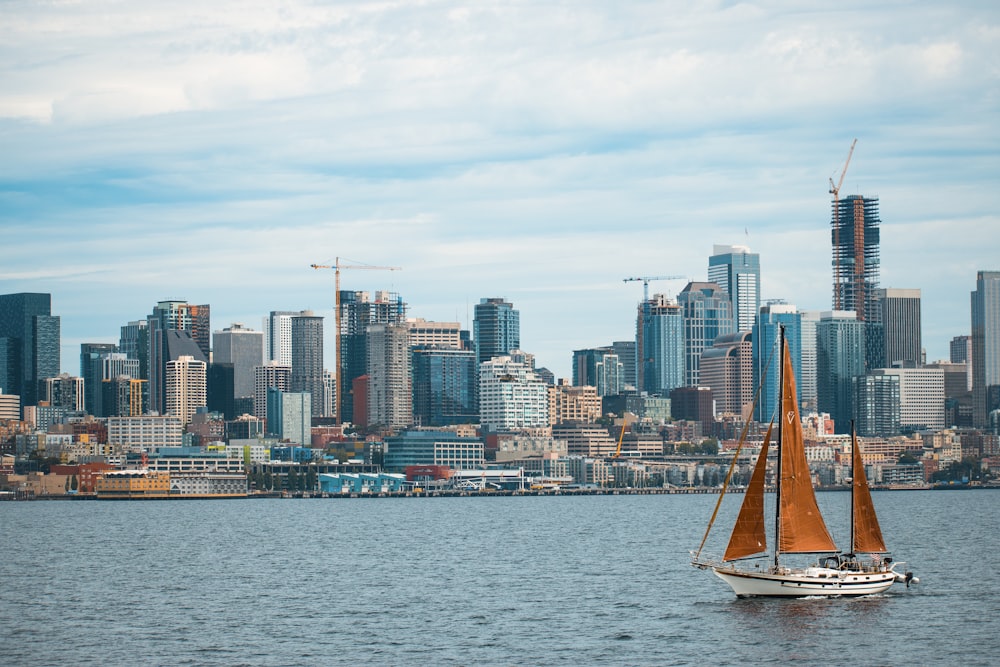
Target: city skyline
537 156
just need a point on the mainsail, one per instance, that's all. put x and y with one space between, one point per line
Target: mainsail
748 536
801 526
865 531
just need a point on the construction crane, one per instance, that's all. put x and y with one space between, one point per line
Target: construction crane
835 191
647 279
643 308
337 266
621 436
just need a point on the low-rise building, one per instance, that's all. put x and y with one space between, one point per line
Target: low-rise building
209 485
131 484
362 483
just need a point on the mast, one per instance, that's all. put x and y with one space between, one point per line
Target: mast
854 486
780 448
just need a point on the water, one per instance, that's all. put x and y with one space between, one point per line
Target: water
598 580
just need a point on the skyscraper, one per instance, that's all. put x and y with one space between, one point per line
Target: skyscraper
985 344
854 226
244 349
496 328
840 357
807 365
390 393
123 396
708 314
766 358
357 311
727 368
134 342
174 329
900 316
290 416
600 368
270 375
439 334
91 372
625 349
64 391
307 358
29 344
921 397
660 345
737 271
121 389
278 336
876 404
185 387
444 386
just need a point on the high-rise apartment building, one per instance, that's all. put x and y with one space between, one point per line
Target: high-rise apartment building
444 386
290 416
511 396
390 392
117 393
359 310
840 357
900 317
90 370
708 314
574 404
186 382
660 348
29 344
737 271
876 404
496 328
117 364
64 391
270 375
123 396
244 349
307 358
985 344
278 336
807 366
329 393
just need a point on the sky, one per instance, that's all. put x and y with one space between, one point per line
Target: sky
537 151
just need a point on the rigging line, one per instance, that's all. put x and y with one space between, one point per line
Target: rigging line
739 448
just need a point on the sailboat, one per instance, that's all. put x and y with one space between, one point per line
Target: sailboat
799 526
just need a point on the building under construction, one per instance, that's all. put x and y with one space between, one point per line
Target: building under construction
855 231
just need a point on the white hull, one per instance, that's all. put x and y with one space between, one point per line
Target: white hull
789 582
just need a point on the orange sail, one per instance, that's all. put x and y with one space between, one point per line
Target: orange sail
867 536
801 526
748 536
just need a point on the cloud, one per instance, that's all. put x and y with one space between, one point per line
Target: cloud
535 151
